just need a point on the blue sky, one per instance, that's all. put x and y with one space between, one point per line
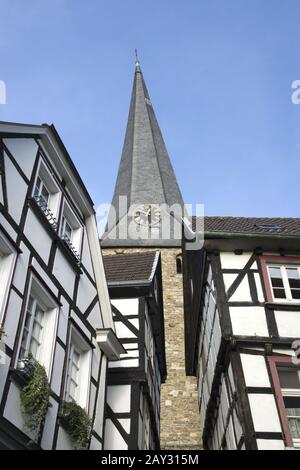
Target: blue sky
219 74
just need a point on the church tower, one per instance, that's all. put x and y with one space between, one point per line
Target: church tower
145 216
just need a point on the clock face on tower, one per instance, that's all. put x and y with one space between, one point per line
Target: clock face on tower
147 215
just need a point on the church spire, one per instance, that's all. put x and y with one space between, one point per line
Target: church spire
145 173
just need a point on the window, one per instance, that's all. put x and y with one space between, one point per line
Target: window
282 279
286 380
71 230
66 229
33 329
72 390
41 193
47 194
290 388
179 264
39 326
7 263
78 370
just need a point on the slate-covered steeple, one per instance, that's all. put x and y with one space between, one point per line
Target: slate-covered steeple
146 175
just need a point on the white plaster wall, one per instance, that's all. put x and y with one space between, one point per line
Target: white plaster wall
64 273
86 293
21 268
63 320
57 369
95 317
95 444
9 229
113 439
259 288
230 260
288 323
86 256
37 236
249 321
264 412
12 318
242 293
92 398
255 370
118 398
98 423
1 192
48 433
270 444
4 367
12 411
64 441
122 331
96 362
125 363
127 306
24 151
16 190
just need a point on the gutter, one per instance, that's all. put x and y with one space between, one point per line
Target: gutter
215 235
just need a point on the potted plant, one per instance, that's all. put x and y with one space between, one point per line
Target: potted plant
35 394
77 423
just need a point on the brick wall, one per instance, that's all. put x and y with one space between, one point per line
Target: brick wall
180 424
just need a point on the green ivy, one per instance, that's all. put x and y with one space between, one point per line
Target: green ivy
35 399
2 332
77 423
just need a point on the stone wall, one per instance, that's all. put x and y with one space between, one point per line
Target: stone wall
180 423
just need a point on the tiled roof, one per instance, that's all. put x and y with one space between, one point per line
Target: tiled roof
130 267
251 225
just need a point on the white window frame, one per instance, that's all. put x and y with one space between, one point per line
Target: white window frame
292 392
50 321
30 335
78 343
51 186
77 228
7 266
283 267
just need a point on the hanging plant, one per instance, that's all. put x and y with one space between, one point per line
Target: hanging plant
35 398
77 423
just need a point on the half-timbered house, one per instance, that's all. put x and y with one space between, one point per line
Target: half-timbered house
133 392
54 302
242 307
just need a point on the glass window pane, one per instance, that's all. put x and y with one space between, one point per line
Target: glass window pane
294 425
275 272
279 293
289 378
295 293
37 186
276 282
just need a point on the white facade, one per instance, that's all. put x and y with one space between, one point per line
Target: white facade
248 374
53 293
